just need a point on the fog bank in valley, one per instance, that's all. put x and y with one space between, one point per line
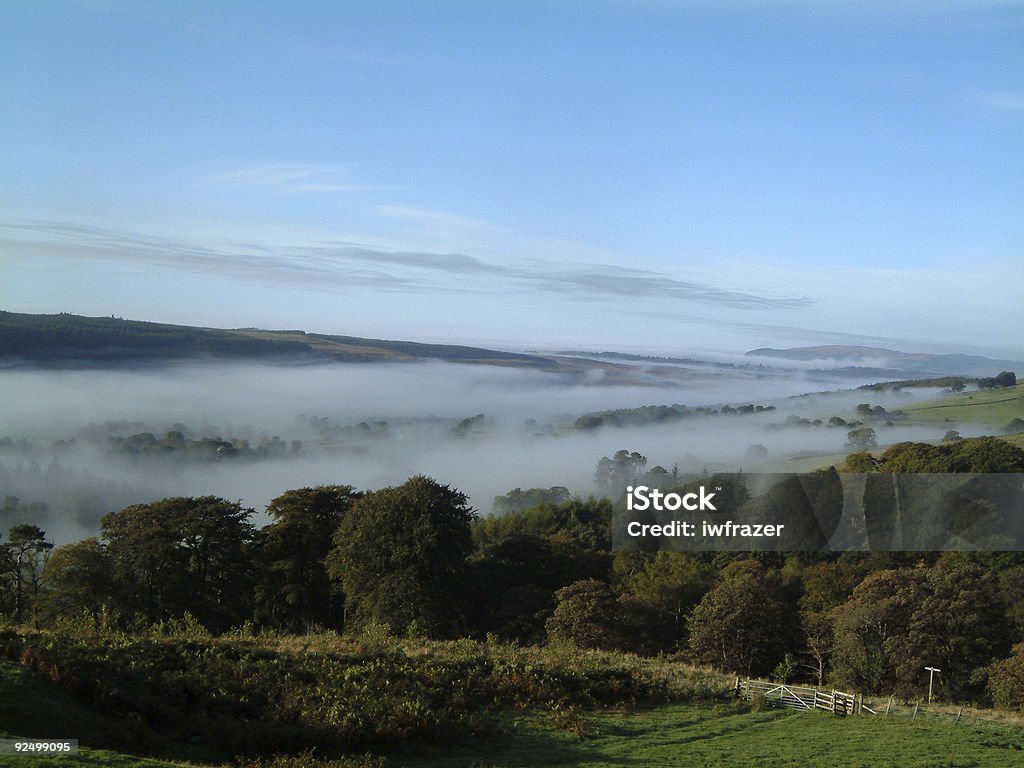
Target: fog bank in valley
84 443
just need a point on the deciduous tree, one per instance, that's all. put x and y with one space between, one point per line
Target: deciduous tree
293 590
183 554
400 557
741 624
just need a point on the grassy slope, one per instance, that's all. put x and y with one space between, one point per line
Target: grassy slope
32 707
685 735
670 735
986 408
993 407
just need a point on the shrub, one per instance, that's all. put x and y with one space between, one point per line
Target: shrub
1006 680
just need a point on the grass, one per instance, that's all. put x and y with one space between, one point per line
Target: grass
706 732
726 736
993 407
33 708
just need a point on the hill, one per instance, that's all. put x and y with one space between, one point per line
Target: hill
995 408
882 361
72 341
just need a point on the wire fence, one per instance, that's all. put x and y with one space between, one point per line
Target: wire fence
805 698
951 714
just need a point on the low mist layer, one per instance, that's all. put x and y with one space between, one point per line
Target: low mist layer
76 445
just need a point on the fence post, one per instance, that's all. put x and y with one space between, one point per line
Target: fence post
888 706
915 710
958 716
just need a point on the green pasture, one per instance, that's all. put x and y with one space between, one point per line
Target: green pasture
704 734
993 407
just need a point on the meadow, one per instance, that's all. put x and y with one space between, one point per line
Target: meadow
179 697
984 407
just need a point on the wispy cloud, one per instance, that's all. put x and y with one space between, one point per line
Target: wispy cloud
1007 101
299 178
333 264
603 280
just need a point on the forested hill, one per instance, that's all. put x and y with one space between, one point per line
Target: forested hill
70 341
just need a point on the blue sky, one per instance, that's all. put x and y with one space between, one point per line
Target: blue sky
652 176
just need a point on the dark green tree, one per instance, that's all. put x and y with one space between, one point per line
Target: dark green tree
518 500
400 557
514 580
877 613
669 585
588 615
588 523
183 554
77 577
742 625
958 626
292 589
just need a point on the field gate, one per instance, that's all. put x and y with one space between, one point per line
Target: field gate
799 697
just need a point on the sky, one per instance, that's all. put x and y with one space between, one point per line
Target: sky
646 176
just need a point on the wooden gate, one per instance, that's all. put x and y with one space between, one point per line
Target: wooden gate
799 697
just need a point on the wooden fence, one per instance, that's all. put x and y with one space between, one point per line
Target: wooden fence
798 697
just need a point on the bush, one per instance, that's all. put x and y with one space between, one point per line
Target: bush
588 615
1006 680
248 697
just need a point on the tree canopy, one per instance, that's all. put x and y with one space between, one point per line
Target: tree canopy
400 557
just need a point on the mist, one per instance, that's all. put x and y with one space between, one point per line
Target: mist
84 443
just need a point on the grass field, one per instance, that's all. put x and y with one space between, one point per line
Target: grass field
669 735
993 407
684 735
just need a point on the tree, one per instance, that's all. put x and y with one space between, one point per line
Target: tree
293 590
862 439
973 454
515 578
860 462
400 557
619 471
828 584
521 612
518 500
957 626
182 554
27 550
588 523
1002 379
668 586
1006 680
741 624
77 577
587 615
818 640
878 611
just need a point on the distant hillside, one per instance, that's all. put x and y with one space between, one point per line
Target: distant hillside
880 361
829 352
71 341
